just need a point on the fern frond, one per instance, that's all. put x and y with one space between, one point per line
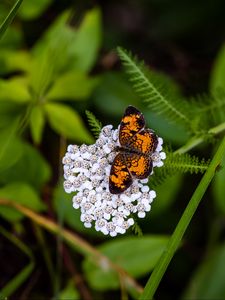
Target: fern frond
210 109
186 163
136 228
152 91
178 163
94 123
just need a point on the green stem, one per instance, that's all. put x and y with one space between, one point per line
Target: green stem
179 231
195 141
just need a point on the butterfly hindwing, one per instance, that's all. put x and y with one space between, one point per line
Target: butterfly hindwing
120 178
144 142
139 166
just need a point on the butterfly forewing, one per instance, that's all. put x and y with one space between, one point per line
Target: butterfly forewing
132 122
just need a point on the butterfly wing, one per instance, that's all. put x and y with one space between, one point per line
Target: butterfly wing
144 142
120 178
132 122
139 166
134 159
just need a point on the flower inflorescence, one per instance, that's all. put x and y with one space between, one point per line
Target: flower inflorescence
86 172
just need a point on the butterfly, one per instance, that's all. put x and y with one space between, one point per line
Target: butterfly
133 158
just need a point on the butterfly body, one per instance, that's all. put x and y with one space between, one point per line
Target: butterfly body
133 159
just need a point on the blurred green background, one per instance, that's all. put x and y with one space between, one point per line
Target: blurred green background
58 59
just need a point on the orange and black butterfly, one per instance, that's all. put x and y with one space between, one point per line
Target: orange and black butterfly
133 159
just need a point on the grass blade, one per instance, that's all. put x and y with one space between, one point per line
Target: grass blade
20 278
5 24
17 281
179 231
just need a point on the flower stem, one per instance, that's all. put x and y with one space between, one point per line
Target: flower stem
181 227
195 141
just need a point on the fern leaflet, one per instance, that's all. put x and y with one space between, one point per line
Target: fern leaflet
94 123
178 163
185 163
151 90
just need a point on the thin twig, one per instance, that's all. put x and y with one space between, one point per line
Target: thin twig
78 243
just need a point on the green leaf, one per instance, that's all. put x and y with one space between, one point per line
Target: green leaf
22 193
14 90
10 147
69 292
72 86
51 58
166 194
62 203
9 112
66 121
136 255
14 61
219 188
88 41
42 73
217 80
58 30
5 24
33 9
208 282
30 168
37 121
114 94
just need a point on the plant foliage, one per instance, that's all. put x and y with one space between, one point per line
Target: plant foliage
210 108
152 90
5 24
48 78
94 123
179 163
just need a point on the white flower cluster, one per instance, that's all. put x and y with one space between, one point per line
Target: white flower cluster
86 172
